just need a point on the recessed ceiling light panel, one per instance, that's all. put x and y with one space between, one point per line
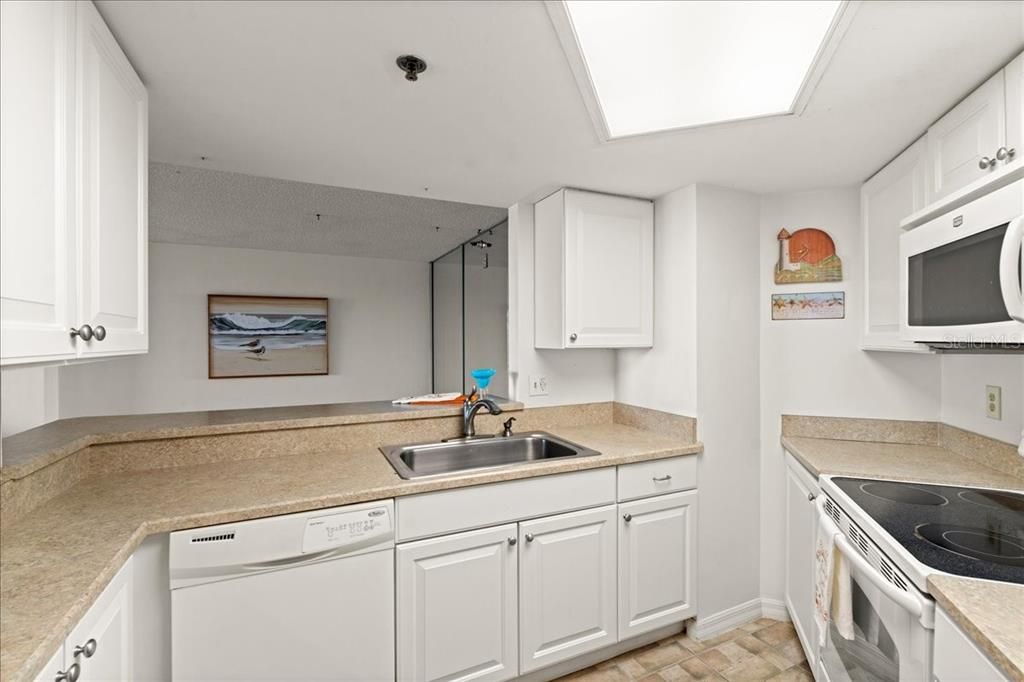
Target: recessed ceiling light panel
651 66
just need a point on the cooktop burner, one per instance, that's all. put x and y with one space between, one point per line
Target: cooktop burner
964 531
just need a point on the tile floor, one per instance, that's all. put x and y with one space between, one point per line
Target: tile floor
765 649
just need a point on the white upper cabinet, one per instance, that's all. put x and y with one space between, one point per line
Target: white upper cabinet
1014 74
593 271
74 176
963 145
888 197
36 180
567 586
657 562
112 125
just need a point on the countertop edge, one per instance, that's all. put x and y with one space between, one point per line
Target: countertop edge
35 661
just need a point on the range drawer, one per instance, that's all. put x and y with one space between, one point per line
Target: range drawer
657 477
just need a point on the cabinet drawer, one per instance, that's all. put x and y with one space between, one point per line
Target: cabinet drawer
656 477
957 658
449 511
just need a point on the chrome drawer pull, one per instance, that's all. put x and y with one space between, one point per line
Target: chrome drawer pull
659 479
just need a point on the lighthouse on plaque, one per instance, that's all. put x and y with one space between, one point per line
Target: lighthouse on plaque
807 255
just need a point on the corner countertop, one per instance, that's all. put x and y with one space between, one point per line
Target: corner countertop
991 613
36 448
100 521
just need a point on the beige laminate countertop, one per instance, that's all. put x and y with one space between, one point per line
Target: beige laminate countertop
991 613
36 448
57 560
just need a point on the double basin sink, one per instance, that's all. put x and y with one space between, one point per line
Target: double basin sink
486 452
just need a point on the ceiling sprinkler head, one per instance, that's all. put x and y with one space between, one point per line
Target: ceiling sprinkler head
481 244
412 65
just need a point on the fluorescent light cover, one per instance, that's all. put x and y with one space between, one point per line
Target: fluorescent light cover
664 65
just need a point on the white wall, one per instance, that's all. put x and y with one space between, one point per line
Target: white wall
964 378
816 366
574 376
28 398
728 397
378 334
665 377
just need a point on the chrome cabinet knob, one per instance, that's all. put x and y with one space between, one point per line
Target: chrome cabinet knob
627 517
84 332
99 332
529 537
986 162
87 649
811 497
72 674
1004 154
573 337
512 542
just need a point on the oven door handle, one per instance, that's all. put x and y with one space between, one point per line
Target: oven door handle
1009 269
906 600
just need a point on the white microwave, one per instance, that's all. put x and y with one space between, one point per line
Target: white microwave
960 275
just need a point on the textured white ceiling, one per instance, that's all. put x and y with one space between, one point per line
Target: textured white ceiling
215 208
309 91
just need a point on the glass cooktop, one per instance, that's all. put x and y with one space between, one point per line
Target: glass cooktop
965 531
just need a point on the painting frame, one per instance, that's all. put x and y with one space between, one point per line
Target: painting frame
212 300
813 312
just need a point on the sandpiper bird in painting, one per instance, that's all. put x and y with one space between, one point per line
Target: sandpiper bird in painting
260 349
251 344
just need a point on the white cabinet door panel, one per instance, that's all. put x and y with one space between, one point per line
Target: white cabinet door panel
801 529
109 623
609 270
54 666
113 174
657 562
567 586
1014 74
892 194
957 142
457 607
36 182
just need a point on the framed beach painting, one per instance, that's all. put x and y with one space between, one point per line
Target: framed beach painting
262 336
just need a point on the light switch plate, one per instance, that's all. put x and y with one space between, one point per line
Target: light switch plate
538 385
994 402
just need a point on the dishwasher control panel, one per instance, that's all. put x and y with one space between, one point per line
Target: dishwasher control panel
361 527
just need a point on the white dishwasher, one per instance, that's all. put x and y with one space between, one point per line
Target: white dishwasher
305 596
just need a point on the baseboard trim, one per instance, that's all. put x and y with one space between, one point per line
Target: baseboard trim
735 616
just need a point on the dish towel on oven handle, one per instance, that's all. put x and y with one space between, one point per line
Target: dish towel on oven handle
833 601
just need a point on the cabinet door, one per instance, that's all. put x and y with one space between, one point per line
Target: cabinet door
1014 74
567 586
457 606
36 166
657 562
973 129
109 623
892 194
112 127
609 271
801 526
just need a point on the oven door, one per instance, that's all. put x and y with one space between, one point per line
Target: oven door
893 627
960 274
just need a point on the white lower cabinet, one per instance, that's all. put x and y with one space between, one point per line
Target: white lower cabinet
566 586
957 658
100 647
801 529
456 599
657 551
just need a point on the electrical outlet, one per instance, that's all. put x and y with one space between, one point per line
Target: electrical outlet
538 385
994 402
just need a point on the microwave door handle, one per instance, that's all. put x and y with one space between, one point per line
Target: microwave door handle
1009 269
904 599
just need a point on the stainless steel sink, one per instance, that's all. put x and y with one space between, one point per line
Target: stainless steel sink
439 459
